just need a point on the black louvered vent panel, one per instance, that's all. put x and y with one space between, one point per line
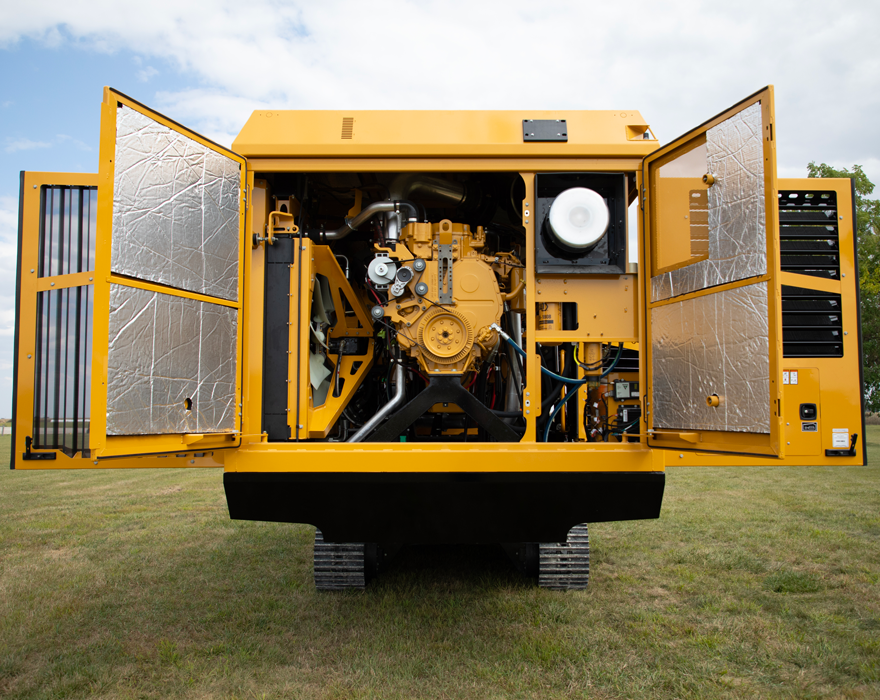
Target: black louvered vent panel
812 324
629 360
808 233
63 354
63 376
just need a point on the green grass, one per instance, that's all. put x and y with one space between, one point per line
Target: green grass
755 582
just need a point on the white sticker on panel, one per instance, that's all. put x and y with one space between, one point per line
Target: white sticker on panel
840 437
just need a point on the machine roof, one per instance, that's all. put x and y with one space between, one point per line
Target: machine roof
436 133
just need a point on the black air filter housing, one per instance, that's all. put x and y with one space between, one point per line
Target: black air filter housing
608 257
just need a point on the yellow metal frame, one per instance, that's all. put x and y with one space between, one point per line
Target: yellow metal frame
316 421
720 441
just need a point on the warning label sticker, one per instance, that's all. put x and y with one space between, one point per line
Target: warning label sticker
840 437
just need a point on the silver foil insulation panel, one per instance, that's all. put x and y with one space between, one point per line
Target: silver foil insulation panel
737 218
176 207
171 364
715 344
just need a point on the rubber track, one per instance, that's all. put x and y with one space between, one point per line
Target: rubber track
338 567
565 566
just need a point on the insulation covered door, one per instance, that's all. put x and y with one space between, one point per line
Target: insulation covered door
159 373
711 285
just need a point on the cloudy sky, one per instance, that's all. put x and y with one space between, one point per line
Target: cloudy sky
210 64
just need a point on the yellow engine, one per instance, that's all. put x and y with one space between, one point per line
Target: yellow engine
444 294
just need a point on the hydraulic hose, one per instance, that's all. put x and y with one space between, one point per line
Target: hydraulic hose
573 391
552 375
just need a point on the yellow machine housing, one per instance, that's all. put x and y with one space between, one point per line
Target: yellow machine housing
434 326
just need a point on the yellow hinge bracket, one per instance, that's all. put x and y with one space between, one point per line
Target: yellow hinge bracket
687 437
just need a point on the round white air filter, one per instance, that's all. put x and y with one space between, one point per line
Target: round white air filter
579 218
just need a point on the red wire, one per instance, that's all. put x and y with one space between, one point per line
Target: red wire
489 375
471 382
373 292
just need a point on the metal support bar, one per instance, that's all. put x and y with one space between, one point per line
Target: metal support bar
444 390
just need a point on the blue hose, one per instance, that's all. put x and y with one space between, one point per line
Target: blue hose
573 391
553 375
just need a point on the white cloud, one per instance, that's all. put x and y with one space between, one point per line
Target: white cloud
24 144
677 62
145 74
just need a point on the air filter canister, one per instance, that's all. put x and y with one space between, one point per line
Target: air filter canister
578 219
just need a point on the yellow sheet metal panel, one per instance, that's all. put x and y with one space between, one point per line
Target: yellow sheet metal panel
613 320
437 133
461 164
451 457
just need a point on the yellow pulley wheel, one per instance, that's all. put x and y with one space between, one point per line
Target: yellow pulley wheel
445 336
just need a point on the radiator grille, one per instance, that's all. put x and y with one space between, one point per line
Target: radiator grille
347 127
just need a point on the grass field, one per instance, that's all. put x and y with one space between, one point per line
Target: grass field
755 582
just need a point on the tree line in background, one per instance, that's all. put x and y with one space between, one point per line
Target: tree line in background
868 235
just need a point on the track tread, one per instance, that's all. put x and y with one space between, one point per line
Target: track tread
565 566
338 566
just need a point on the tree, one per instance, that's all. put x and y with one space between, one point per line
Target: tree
868 234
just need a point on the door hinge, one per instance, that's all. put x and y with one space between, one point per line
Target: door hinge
642 204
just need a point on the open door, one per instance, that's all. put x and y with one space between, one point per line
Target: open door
132 346
711 284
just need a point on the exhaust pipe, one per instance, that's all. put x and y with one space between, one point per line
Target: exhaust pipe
388 408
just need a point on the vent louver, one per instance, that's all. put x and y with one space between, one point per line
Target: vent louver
347 127
808 233
812 322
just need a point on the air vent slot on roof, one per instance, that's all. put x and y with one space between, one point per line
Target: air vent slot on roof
347 127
